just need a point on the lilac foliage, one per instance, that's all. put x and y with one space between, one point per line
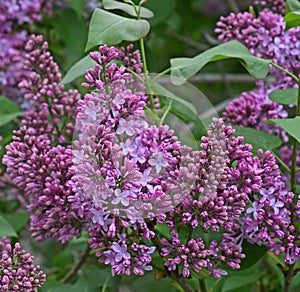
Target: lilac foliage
17 270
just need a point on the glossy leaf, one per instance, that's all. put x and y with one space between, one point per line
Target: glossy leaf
112 5
111 29
185 68
285 96
78 69
258 139
292 19
6 228
8 110
77 5
291 126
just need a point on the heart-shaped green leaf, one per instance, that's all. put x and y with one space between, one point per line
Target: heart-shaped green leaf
111 29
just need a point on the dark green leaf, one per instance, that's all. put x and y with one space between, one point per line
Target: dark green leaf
6 228
8 110
99 277
253 253
112 5
78 69
83 286
77 5
185 68
291 126
111 29
242 279
55 286
72 30
258 139
285 96
161 9
18 220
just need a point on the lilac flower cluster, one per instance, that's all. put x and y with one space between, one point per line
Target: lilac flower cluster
265 37
253 108
15 14
35 162
246 186
17 271
277 6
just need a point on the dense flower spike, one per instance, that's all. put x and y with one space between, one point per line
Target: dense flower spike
14 15
17 271
35 163
253 108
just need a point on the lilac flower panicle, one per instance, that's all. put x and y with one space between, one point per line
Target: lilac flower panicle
17 271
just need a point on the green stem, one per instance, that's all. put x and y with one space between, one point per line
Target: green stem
73 272
145 70
285 71
165 113
281 162
161 74
135 75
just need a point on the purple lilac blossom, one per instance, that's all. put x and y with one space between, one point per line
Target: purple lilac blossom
14 15
265 37
35 162
17 271
277 6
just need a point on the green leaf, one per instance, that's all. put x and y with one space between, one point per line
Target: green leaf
71 30
8 111
182 108
258 139
112 5
163 229
242 279
291 126
111 29
292 5
18 220
78 69
185 68
292 19
253 253
77 5
285 96
6 229
161 9
99 277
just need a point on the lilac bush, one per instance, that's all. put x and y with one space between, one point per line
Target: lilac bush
98 163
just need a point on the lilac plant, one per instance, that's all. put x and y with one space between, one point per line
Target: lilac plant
105 167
